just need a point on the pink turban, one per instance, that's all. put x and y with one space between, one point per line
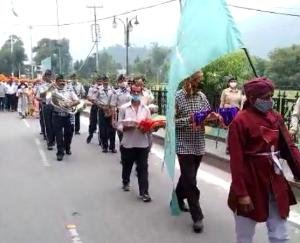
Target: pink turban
258 87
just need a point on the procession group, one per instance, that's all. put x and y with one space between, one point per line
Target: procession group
257 141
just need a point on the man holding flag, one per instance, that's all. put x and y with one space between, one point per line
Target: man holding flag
197 45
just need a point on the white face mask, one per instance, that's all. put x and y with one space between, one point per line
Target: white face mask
233 85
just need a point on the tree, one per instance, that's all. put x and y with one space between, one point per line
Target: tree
53 48
155 66
283 67
12 57
235 64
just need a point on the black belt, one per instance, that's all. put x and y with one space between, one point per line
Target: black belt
61 114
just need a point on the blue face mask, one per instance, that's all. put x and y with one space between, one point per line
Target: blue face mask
135 97
263 105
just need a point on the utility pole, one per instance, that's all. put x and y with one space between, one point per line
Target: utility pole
31 61
58 34
11 54
96 34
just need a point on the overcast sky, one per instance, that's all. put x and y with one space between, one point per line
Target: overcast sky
156 24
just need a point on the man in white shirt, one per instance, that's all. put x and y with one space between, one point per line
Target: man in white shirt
2 95
106 129
80 92
122 96
11 90
135 142
92 96
46 108
63 121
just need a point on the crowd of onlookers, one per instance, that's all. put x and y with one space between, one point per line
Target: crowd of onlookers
19 95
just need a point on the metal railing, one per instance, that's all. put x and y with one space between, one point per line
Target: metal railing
282 103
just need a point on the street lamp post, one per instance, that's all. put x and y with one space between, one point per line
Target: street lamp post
128 27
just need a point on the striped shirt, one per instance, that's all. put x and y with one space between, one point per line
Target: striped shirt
189 141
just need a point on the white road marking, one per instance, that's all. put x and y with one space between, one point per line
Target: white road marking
73 233
26 123
42 153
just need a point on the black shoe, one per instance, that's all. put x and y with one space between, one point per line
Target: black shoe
198 226
41 133
104 151
89 138
59 157
77 133
146 198
50 147
113 151
68 151
126 188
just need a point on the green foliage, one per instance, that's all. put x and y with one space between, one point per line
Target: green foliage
283 66
235 64
12 60
155 66
53 48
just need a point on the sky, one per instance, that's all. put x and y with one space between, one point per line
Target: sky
155 25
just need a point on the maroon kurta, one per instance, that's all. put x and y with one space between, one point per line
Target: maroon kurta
250 134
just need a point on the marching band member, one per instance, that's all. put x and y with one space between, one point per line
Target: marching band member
46 109
121 97
62 119
106 129
92 97
80 92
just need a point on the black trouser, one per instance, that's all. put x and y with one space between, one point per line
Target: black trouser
47 112
107 131
187 184
10 102
42 119
63 129
120 135
2 103
140 157
15 102
93 119
77 121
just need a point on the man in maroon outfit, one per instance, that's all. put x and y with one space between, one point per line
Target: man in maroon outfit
258 140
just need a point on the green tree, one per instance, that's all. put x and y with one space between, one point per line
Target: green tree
12 57
235 64
283 67
53 48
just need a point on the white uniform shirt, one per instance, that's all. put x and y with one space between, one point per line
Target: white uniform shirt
122 96
41 88
93 92
104 96
68 94
134 138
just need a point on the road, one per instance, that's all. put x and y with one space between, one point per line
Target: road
42 198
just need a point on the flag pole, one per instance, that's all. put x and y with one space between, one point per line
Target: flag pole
250 61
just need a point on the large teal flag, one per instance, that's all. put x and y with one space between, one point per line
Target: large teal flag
206 31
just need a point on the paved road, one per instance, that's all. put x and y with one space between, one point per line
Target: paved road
40 196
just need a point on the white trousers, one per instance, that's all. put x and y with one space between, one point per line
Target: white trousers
277 227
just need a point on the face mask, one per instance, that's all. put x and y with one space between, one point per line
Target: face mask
135 97
232 85
263 105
